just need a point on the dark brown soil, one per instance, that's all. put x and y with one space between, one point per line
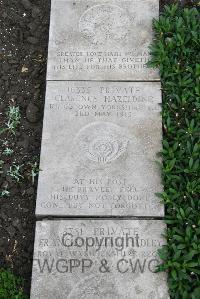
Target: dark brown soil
24 29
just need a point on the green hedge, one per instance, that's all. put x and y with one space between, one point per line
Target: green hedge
11 287
176 51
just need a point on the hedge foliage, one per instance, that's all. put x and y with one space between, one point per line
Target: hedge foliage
176 51
11 287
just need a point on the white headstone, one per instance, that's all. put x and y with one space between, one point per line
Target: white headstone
99 146
98 259
101 40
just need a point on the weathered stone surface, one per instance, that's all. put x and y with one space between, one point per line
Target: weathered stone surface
101 40
93 259
99 146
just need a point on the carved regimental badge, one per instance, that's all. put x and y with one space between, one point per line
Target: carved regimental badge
105 22
101 142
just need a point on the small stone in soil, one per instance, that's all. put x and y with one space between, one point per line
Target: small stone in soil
32 113
32 40
11 230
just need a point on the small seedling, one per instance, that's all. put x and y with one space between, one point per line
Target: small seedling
2 130
1 165
15 173
8 151
14 117
4 193
34 170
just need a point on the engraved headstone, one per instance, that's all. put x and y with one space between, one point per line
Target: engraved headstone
99 146
101 40
95 259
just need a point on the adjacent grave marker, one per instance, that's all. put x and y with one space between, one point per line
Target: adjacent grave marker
99 146
101 40
93 259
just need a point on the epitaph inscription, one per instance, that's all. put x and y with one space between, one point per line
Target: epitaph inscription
97 40
99 146
92 259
